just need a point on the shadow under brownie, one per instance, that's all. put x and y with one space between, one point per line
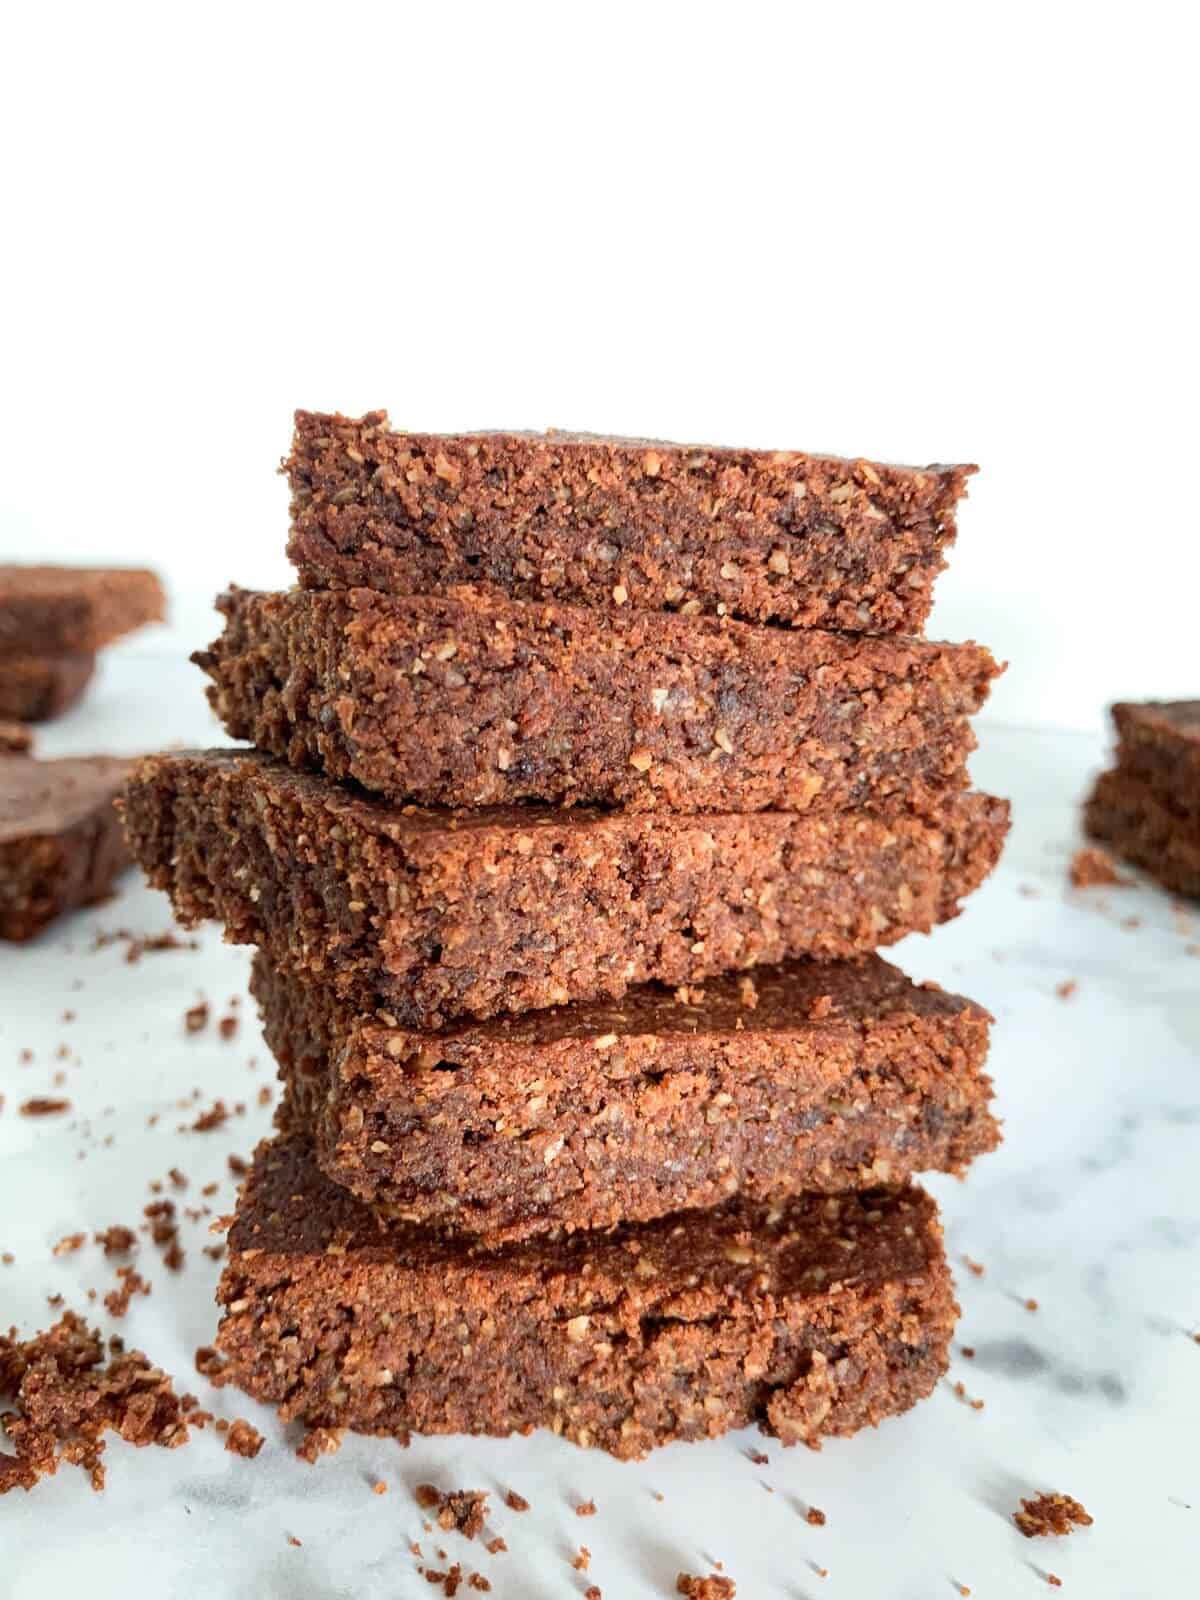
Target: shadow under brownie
817 1317
804 1077
475 699
437 914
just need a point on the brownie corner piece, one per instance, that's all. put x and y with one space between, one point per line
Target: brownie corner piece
68 610
61 840
768 535
815 1318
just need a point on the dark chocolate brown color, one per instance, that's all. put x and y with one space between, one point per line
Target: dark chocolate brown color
817 1317
473 699
765 535
36 688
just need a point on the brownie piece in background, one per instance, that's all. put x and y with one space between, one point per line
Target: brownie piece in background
822 1077
36 688
439 914
473 699
769 535
1127 814
58 611
818 1317
1158 743
61 841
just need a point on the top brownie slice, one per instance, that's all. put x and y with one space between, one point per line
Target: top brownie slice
764 535
54 611
1158 743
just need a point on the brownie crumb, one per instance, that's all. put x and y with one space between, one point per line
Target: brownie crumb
815 1517
243 1439
1054 1580
228 1027
968 1350
44 1106
583 1559
237 1166
217 1114
960 1391
1031 1305
586 1508
195 1018
1067 988
515 1501
593 1592
140 944
713 1587
1050 1515
975 1268
319 1442
68 1245
478 1581
1091 866
292 1539
117 1240
963 1590
759 1458
117 1301
65 1396
496 1546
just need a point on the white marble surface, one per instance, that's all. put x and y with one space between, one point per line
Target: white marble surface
1091 1207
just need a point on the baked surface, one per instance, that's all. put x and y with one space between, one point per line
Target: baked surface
474 699
50 611
819 1317
440 914
1128 814
1158 743
768 535
61 841
35 688
804 1077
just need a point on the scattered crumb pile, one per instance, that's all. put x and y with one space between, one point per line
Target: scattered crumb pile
464 1510
711 1588
65 1395
1091 866
1049 1515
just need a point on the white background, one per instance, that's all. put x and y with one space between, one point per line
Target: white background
959 232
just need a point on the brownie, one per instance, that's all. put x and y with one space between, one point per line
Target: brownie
451 913
54 611
817 1317
1158 743
802 1077
472 699
1128 815
36 688
769 535
61 842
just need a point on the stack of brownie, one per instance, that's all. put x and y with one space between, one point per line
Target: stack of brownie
54 620
588 777
1148 806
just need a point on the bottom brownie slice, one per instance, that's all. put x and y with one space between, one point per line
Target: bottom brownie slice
819 1316
808 1076
1125 812
34 688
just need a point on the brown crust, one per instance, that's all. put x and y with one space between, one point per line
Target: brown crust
1128 815
443 914
61 841
36 688
819 1077
765 535
818 1318
48 611
471 699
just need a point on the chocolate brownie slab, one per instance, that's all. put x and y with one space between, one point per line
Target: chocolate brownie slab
470 699
36 688
53 611
802 1077
449 913
1158 743
61 843
817 1317
1127 814
761 534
